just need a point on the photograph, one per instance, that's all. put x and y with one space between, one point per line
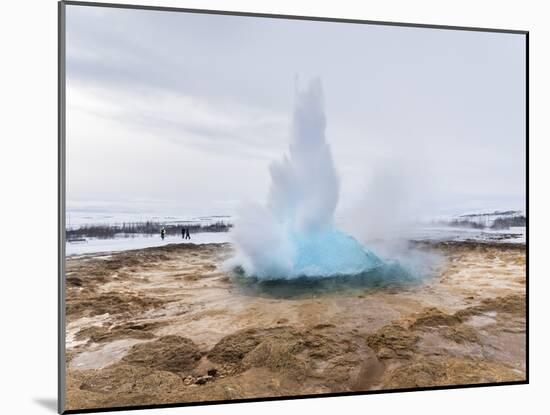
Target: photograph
267 207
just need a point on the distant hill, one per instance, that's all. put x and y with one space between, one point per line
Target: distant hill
499 219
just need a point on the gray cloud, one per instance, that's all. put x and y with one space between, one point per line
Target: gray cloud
450 102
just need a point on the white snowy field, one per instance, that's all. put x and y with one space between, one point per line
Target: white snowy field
435 229
126 243
448 233
427 233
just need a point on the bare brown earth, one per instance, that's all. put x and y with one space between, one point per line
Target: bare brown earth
167 324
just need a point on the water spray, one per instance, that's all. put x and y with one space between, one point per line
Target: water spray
294 234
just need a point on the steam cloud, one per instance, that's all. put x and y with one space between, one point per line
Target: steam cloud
294 235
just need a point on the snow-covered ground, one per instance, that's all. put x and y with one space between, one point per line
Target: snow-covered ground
458 227
426 233
121 243
449 233
435 229
104 217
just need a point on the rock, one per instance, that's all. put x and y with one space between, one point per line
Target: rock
437 371
125 379
433 317
234 347
394 337
385 353
514 304
171 353
212 372
203 379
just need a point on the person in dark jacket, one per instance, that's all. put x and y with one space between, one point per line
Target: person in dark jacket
162 233
187 236
182 233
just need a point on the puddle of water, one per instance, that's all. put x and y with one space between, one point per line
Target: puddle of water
103 355
84 322
482 320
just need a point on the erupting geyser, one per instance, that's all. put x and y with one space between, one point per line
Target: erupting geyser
295 235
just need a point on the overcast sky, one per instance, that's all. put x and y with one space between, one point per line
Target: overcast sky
187 111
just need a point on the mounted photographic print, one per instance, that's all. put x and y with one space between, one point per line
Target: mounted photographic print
264 207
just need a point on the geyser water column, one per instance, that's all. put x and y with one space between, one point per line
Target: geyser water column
294 234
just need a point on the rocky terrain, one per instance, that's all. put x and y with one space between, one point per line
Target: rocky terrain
168 324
